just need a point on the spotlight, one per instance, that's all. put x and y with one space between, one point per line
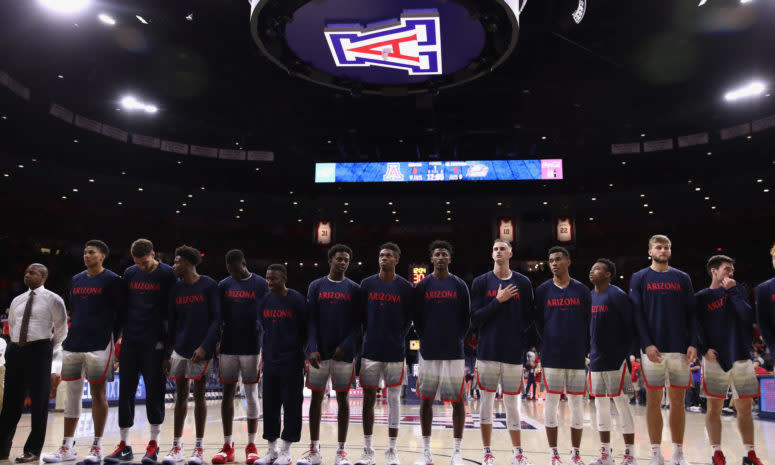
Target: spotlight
65 6
752 89
106 19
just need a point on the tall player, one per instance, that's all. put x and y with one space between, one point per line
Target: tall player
194 319
332 311
664 315
442 317
282 315
387 305
96 301
240 294
563 306
611 335
765 306
726 319
148 284
502 305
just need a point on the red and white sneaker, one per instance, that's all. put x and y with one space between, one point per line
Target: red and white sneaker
251 454
311 457
174 457
197 457
520 459
751 459
604 459
628 459
341 458
63 454
556 460
575 459
225 455
94 456
488 459
718 458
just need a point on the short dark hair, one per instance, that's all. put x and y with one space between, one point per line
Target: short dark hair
608 264
234 256
141 248
559 249
189 254
439 244
391 246
717 260
103 247
339 248
278 267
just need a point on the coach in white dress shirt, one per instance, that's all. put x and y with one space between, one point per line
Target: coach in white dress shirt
38 323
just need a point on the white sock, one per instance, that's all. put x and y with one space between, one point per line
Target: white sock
227 440
155 431
273 446
555 452
426 442
656 450
607 447
715 447
125 435
749 448
286 447
574 452
367 442
341 446
68 442
517 450
315 446
392 443
486 450
198 443
177 442
628 449
456 444
251 438
97 442
678 450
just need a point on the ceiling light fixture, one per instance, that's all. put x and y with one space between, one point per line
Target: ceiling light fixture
141 19
106 19
65 6
752 89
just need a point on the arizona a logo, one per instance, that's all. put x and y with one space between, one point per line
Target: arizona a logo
393 172
412 43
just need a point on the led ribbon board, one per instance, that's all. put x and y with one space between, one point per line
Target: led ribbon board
479 170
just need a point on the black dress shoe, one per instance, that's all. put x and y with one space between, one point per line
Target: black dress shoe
27 457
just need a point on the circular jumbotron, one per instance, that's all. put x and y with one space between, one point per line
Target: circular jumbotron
386 47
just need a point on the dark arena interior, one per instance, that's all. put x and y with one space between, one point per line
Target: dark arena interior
283 127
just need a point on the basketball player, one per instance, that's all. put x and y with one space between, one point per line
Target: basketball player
664 315
387 305
282 315
194 319
148 284
765 306
442 317
502 305
611 335
240 294
725 320
563 306
332 309
96 300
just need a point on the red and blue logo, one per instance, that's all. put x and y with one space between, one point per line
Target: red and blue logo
411 43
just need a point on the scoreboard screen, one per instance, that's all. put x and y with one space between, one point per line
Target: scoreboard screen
424 171
767 400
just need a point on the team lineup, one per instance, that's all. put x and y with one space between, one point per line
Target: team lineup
174 322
